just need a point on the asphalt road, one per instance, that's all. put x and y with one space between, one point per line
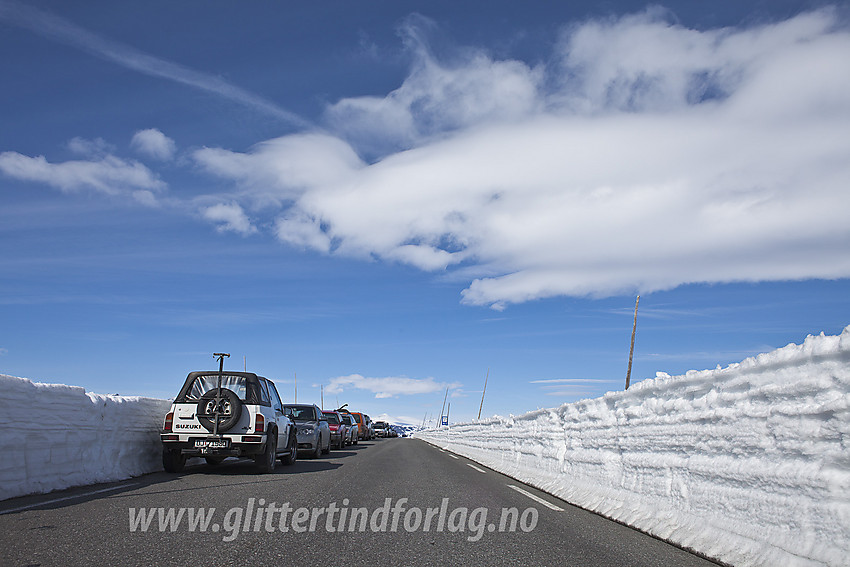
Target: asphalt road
347 502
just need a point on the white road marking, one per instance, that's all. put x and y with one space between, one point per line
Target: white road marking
453 456
476 468
536 498
81 495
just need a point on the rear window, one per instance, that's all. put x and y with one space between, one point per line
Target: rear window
301 413
332 418
203 384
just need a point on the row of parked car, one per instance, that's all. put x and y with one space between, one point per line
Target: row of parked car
240 414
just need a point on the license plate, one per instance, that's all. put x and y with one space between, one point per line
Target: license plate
212 443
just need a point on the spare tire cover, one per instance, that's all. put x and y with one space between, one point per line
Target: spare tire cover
230 410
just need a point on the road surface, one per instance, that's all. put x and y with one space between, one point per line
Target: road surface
347 506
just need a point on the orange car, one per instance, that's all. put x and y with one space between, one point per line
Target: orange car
362 425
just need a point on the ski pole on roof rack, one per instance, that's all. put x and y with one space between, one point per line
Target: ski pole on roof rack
220 356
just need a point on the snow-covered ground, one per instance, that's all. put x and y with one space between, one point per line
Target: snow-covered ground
56 436
749 464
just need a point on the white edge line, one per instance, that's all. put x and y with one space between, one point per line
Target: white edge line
453 456
536 498
476 468
55 500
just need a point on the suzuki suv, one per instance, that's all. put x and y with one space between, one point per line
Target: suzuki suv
220 414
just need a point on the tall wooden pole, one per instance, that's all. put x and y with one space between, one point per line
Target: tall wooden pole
632 349
484 392
443 409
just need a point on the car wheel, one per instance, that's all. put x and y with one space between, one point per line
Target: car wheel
291 451
214 461
173 461
266 460
230 410
315 454
327 447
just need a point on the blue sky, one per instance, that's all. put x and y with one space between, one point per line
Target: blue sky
390 198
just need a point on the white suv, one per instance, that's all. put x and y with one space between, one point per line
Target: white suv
220 414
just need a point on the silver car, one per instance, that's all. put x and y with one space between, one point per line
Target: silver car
313 433
353 438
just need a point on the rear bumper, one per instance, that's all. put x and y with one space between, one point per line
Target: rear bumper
239 446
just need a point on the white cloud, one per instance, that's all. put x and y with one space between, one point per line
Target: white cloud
436 97
231 218
107 174
282 169
145 198
154 144
645 156
389 387
568 381
90 148
648 156
302 231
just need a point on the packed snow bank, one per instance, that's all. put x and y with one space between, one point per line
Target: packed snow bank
748 464
57 436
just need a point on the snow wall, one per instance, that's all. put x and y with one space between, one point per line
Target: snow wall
57 436
748 464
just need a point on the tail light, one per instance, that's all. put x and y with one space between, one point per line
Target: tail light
259 424
169 422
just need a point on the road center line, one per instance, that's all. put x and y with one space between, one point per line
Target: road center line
476 468
55 500
536 498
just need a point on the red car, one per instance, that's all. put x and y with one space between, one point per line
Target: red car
339 429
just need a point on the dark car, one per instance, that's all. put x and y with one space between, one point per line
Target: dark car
314 434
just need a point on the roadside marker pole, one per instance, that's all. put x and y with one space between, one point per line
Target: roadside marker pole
632 349
484 392
443 409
